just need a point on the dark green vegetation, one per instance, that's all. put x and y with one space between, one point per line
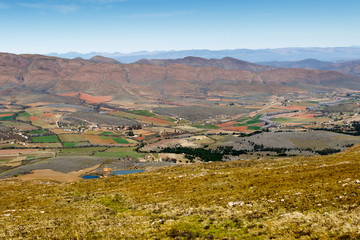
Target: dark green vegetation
143 113
107 133
46 139
69 144
23 114
256 128
191 153
40 131
116 139
304 198
246 121
120 152
7 118
254 120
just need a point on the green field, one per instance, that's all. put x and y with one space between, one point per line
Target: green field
46 139
120 149
24 114
69 144
120 152
107 133
40 131
256 128
243 119
254 120
206 126
116 139
7 118
143 113
150 114
80 151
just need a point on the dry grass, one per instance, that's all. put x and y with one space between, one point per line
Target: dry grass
288 198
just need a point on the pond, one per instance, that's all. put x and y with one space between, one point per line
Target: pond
90 177
123 172
120 172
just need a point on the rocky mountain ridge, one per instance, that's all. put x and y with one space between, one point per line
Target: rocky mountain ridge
56 75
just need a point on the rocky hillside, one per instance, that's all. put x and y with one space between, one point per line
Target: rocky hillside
56 75
347 67
197 62
286 198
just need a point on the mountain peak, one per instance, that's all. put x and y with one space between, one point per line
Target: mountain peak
101 59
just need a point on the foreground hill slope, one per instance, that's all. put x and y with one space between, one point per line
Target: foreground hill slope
302 197
55 75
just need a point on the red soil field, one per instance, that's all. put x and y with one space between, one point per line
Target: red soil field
48 115
69 94
33 118
92 99
87 97
227 124
237 129
6 115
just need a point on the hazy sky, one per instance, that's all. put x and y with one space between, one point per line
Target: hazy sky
39 26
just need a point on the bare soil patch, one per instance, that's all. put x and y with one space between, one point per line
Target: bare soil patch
56 176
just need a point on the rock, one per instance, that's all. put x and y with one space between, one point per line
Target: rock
232 204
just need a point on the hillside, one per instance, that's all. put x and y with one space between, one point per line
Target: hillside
225 63
286 198
348 67
43 74
306 63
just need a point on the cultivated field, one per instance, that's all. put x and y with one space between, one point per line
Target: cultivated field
198 113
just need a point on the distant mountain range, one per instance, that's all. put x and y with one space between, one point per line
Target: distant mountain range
330 54
349 67
188 77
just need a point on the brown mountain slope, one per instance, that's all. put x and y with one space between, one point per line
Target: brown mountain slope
101 59
347 67
225 63
56 75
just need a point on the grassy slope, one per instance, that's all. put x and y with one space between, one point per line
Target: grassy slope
282 198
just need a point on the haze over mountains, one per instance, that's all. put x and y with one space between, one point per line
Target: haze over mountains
189 77
351 67
260 55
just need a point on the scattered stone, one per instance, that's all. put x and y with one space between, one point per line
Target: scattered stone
232 204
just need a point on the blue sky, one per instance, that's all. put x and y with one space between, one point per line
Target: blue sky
39 26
